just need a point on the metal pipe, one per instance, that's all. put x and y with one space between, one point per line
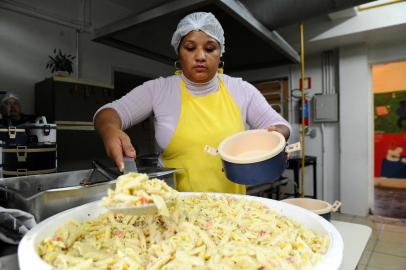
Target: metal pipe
323 150
303 108
77 53
361 8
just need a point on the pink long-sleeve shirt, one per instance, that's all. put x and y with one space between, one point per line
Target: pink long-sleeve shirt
162 97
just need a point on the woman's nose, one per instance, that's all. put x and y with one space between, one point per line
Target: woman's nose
200 55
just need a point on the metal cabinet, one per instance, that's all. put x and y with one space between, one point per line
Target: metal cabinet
65 99
71 104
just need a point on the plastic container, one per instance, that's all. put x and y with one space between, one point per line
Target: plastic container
318 207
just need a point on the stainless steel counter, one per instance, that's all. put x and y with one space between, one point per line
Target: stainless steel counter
9 262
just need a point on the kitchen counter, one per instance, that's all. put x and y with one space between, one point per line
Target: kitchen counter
355 237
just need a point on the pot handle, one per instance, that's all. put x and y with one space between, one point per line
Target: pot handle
41 120
211 150
293 147
335 206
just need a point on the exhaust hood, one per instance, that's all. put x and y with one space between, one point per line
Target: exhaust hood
249 44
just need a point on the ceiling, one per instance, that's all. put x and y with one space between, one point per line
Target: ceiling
250 40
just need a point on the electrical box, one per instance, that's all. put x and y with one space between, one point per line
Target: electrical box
325 108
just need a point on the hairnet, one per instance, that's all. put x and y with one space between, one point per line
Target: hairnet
204 21
9 96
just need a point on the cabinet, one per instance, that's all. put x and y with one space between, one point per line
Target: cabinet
66 99
277 94
71 104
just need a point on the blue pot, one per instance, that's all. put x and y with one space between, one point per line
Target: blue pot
253 157
256 173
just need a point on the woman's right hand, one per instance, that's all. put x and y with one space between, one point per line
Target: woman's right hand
116 142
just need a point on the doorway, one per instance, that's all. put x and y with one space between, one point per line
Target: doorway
389 90
142 135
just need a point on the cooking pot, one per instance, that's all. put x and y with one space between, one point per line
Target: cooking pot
319 207
45 133
254 157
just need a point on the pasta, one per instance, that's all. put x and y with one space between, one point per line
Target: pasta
202 232
134 189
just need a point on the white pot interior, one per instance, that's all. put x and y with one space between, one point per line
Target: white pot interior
316 206
251 146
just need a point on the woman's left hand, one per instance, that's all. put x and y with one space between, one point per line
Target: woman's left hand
284 130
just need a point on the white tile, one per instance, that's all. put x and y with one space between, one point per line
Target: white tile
365 257
387 262
371 244
388 236
392 248
394 228
368 221
342 217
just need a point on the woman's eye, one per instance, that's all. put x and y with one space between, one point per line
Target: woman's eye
210 49
189 49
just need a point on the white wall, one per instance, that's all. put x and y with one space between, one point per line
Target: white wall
327 179
26 42
356 128
348 153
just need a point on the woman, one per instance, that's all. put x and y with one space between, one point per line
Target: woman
192 109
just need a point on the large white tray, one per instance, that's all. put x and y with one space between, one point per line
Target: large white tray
28 258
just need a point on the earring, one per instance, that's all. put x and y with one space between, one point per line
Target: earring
178 68
220 69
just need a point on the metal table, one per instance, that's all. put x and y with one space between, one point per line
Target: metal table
295 164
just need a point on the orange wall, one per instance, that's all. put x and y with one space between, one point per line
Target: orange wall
389 77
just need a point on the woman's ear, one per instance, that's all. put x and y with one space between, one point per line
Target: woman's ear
220 69
178 67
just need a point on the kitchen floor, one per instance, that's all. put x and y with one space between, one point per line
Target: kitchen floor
386 248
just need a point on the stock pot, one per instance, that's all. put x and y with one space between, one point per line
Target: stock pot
254 157
45 132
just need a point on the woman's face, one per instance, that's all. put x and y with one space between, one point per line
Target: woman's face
199 56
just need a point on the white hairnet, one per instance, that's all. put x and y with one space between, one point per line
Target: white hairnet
204 21
9 96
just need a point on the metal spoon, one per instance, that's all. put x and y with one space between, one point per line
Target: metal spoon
130 165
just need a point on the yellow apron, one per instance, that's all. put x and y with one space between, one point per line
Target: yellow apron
203 120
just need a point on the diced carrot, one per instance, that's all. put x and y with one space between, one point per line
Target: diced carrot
57 238
119 233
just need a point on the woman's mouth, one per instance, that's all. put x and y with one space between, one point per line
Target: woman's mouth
200 68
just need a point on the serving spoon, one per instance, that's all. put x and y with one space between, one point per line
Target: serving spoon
144 209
